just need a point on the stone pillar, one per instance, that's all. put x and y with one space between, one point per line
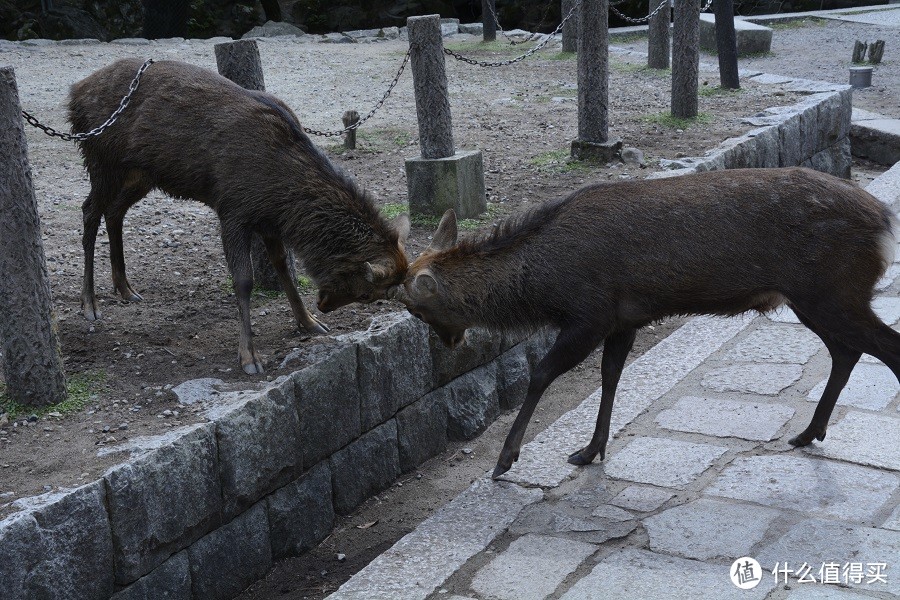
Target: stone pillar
570 28
442 178
685 58
29 337
488 10
239 61
593 85
726 44
658 35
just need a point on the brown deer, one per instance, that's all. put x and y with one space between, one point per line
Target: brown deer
611 258
194 134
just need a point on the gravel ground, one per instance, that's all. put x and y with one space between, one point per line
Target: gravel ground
522 117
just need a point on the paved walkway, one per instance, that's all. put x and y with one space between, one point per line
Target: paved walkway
699 474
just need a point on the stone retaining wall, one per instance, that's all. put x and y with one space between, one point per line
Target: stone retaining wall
812 133
205 512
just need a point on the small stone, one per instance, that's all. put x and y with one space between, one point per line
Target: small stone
106 429
167 413
123 426
341 557
467 451
32 418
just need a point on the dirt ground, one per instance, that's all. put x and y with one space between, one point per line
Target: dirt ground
122 368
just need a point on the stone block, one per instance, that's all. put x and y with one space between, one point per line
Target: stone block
301 513
835 160
764 147
163 501
751 38
726 418
662 462
871 387
810 486
776 344
877 140
473 403
816 542
634 573
790 150
809 123
887 309
394 366
480 347
596 151
422 429
863 438
472 28
709 529
169 581
768 380
537 346
833 116
436 184
232 557
58 547
365 467
531 568
641 498
259 448
328 404
513 377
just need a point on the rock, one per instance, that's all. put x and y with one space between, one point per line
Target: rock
634 157
301 513
67 22
272 29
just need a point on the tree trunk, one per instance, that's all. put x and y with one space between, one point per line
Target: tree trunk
685 58
570 29
272 10
31 361
726 44
239 61
658 47
593 71
488 10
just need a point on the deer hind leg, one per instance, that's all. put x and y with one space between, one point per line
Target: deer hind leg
115 214
236 241
615 351
278 257
103 191
572 345
843 359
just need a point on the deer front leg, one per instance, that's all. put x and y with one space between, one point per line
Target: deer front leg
278 257
91 215
572 345
236 240
615 351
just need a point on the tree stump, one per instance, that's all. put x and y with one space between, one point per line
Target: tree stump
28 333
488 21
239 61
859 51
351 117
876 51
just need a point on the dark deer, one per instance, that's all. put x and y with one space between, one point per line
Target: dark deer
611 258
194 134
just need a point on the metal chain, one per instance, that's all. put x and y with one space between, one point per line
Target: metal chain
651 15
371 112
505 63
80 137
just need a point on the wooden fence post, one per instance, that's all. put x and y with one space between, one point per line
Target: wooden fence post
685 59
32 364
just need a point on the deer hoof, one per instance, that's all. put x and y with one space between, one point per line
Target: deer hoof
316 326
132 297
499 470
91 312
580 458
803 439
253 368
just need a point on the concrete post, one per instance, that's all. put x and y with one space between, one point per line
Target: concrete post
239 61
570 28
658 47
28 332
685 58
442 178
488 10
593 85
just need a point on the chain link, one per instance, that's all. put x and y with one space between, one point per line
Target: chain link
371 112
505 63
646 19
80 137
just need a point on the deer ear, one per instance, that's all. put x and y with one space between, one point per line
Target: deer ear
375 273
401 224
425 285
445 236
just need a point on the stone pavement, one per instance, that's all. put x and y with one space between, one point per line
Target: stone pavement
698 475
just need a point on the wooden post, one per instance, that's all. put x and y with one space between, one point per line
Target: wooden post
351 117
430 86
28 333
658 47
570 28
488 10
876 51
239 61
859 51
685 58
726 44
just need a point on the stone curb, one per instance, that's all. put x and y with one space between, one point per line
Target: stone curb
265 477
